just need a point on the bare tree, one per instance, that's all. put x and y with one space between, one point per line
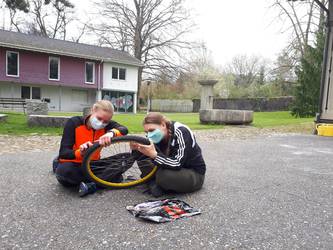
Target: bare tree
151 30
283 69
16 6
247 69
200 62
304 18
50 17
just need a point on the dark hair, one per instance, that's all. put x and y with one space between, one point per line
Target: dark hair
156 118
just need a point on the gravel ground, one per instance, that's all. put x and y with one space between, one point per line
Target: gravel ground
266 192
40 143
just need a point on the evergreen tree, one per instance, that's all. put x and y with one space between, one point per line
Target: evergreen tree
308 79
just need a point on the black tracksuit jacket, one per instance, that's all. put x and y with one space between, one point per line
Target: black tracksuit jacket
184 151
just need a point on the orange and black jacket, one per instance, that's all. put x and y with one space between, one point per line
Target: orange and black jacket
76 133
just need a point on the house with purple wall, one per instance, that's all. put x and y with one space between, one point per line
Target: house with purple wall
69 75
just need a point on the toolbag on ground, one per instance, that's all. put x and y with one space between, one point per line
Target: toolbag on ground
163 210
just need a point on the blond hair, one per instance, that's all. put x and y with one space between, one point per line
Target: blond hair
104 105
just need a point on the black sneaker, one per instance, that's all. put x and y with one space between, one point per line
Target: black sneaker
155 190
87 188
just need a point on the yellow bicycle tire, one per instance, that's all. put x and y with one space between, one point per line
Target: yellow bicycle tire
90 174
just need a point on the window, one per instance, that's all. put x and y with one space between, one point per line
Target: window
35 93
54 68
114 73
122 101
118 73
122 74
25 92
90 72
12 62
30 92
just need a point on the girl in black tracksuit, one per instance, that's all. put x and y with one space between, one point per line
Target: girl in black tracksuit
176 153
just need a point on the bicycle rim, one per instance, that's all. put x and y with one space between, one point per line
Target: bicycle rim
118 159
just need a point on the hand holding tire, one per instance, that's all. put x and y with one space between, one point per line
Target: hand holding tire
117 159
84 147
105 140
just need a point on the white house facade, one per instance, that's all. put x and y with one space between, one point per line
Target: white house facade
120 86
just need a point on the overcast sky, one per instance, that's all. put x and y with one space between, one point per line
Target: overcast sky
238 27
228 27
233 27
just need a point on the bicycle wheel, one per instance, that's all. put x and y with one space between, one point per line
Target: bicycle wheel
118 160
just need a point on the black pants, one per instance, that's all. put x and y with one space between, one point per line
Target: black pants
70 174
184 180
181 181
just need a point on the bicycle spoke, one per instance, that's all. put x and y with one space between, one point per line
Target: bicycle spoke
118 159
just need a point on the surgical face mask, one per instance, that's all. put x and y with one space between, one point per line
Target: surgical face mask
97 124
155 136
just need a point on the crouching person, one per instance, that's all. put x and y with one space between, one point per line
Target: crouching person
79 134
181 167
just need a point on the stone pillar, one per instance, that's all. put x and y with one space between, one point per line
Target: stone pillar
207 95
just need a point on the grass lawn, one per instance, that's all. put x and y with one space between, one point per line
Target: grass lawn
17 123
280 118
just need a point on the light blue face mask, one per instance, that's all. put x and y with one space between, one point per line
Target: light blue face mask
97 124
155 136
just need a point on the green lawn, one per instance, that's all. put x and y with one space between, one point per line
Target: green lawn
17 123
280 118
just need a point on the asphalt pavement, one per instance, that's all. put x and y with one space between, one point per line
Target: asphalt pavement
261 193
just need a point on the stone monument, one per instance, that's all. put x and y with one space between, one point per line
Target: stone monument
207 93
209 115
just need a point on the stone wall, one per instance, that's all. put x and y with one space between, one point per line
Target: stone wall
164 105
47 121
255 104
226 116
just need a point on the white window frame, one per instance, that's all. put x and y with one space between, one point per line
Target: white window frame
85 72
53 79
118 79
18 63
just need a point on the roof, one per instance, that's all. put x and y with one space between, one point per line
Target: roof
67 48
